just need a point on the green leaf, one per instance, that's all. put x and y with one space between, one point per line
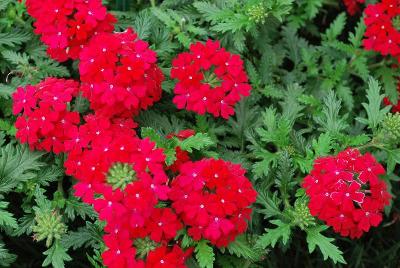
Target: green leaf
375 114
242 249
13 38
56 256
389 78
15 57
87 236
211 12
393 159
336 27
329 250
323 145
6 218
330 120
6 258
74 207
199 141
272 236
204 254
17 164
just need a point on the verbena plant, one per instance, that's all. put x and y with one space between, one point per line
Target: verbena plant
321 79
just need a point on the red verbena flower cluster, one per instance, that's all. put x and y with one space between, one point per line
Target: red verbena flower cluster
123 176
67 26
395 106
213 197
210 79
45 121
383 28
119 74
346 192
353 6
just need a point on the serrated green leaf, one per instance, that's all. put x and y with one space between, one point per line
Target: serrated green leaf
204 254
56 256
6 218
198 141
328 250
272 236
375 114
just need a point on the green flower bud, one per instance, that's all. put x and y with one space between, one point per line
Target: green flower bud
290 150
144 246
300 215
120 175
257 13
391 127
48 226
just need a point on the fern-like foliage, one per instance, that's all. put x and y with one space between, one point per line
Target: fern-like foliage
17 164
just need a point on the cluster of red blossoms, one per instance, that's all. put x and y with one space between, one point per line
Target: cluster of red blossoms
383 28
212 197
210 79
123 176
119 74
346 192
353 6
46 122
67 26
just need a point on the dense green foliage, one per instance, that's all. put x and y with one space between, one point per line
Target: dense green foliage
316 91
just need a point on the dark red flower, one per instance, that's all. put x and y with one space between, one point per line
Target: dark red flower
67 26
353 6
210 79
382 35
209 196
164 257
346 192
163 225
46 119
119 74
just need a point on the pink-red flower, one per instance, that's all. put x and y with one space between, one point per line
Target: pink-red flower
353 6
211 196
163 225
119 74
346 192
67 26
164 257
45 120
382 33
210 79
120 253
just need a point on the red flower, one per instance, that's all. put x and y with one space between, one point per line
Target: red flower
209 196
163 225
210 80
67 26
164 257
353 6
24 100
381 33
345 191
46 120
120 74
120 252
